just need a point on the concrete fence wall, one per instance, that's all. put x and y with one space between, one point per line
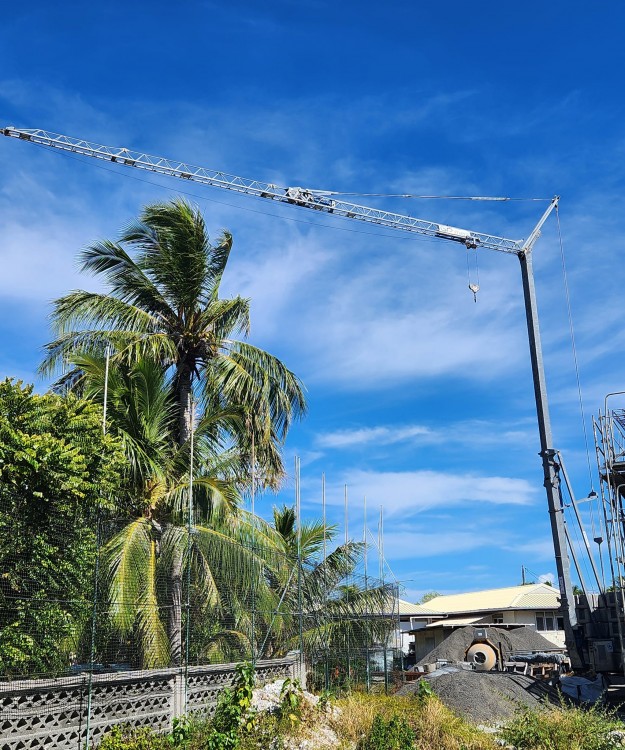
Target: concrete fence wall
54 714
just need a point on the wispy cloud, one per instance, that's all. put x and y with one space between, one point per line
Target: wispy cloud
437 543
365 435
410 492
470 432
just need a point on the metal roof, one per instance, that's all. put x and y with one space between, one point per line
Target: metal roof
406 608
532 596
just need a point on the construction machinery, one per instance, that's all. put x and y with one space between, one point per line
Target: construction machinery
331 203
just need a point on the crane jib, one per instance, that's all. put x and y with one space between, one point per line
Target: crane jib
298 196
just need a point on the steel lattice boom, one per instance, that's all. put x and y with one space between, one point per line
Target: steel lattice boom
313 199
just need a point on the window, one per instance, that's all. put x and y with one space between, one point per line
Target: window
548 621
497 619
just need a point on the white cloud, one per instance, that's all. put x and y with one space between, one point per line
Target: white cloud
538 550
364 435
546 578
410 492
471 432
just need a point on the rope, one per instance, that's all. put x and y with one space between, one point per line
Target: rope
575 361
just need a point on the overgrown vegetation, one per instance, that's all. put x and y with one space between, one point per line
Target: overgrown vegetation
565 728
394 734
171 340
435 727
369 722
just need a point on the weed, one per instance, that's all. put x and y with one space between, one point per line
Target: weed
574 728
234 712
180 733
291 698
132 738
434 725
394 734
424 691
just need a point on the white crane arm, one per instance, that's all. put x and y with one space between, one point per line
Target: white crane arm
316 200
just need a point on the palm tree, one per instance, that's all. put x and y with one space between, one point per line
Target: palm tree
145 560
163 304
333 603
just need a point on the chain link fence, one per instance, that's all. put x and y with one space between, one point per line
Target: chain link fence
154 615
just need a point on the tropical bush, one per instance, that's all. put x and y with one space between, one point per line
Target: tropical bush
59 475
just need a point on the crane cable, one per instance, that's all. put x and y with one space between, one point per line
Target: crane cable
475 288
576 364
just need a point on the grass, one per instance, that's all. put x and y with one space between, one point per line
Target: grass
435 726
564 728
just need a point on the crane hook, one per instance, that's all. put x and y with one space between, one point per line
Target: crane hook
475 288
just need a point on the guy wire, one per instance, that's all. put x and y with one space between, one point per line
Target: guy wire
575 361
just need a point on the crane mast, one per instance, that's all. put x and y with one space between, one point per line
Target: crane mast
325 201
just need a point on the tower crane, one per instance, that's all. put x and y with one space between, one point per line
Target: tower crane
325 201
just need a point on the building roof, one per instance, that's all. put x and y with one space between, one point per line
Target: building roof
406 608
531 596
454 622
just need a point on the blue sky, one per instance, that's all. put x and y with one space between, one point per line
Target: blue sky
420 399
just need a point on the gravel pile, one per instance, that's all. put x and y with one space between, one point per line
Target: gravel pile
482 697
454 647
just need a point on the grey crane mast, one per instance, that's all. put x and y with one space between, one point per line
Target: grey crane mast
324 201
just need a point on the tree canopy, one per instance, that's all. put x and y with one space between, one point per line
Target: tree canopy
57 472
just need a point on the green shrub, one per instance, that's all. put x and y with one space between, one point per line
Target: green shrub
394 734
133 738
234 712
563 728
291 698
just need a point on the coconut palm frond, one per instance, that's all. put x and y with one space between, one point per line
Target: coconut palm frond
126 562
125 278
152 635
227 646
81 308
225 317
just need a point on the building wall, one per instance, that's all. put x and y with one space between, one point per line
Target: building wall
426 640
528 617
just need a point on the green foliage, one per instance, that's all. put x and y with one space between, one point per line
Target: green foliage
291 697
130 738
234 712
181 732
424 690
394 734
428 596
570 728
56 470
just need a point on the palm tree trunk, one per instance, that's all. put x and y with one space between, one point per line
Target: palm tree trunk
183 378
174 624
184 382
